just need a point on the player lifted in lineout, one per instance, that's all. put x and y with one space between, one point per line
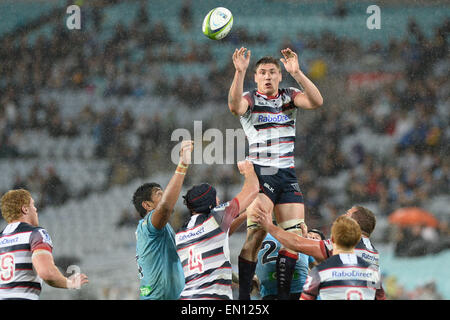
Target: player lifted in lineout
268 116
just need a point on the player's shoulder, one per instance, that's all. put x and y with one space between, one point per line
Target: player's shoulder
24 227
39 236
232 204
221 207
145 225
289 90
250 92
331 262
366 244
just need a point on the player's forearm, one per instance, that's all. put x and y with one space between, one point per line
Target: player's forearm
310 90
56 281
287 239
296 243
236 223
249 190
172 191
47 270
236 91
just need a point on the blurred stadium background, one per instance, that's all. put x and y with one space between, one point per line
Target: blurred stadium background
86 116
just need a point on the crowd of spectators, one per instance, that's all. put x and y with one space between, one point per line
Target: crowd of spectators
396 291
412 111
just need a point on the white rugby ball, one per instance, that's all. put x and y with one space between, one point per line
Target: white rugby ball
217 23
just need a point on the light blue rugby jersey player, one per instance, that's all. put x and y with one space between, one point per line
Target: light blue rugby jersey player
160 271
266 268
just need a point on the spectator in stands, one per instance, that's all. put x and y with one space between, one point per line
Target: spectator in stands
185 15
54 190
127 219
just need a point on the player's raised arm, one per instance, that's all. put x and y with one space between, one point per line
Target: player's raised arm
244 198
310 98
250 188
170 195
236 223
237 104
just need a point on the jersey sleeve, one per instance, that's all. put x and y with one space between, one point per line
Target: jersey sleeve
326 246
293 92
151 229
225 213
249 97
40 240
311 286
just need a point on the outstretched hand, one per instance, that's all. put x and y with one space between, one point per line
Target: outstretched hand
290 60
76 280
245 167
261 217
185 152
241 59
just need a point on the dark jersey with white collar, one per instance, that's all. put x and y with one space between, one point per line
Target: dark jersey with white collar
18 241
343 276
366 251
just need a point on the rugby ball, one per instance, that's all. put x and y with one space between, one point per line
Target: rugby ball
217 23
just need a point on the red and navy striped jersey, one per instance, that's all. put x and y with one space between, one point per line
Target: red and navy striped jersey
366 251
202 245
343 276
18 280
269 125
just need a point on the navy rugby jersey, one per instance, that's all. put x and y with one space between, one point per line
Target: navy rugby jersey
202 245
18 280
269 124
343 276
366 251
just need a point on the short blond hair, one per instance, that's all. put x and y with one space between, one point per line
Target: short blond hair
12 202
346 232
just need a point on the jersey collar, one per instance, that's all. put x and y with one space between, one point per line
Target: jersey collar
268 97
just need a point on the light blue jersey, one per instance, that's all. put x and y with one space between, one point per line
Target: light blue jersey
266 268
160 271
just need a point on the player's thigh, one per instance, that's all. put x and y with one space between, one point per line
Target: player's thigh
289 211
